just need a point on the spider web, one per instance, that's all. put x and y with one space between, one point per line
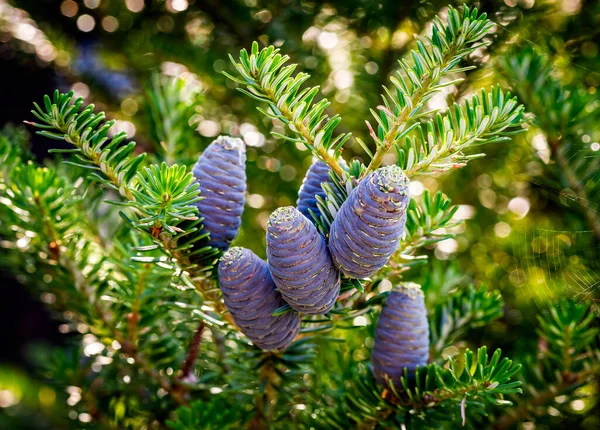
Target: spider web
557 262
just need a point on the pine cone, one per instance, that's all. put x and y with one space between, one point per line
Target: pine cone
311 188
251 297
401 335
221 172
369 225
300 263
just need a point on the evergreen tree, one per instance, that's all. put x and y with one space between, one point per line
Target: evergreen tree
349 323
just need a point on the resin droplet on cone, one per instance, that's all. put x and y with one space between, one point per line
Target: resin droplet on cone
251 297
317 174
300 263
401 335
221 172
369 225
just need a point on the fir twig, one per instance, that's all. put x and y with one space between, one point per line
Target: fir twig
192 354
268 81
567 384
417 82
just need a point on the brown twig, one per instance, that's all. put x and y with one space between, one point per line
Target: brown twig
192 354
220 348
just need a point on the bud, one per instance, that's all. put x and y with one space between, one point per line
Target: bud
221 172
251 297
300 263
311 188
401 335
369 225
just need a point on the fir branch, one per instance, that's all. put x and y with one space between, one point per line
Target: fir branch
162 197
427 222
51 209
472 375
134 316
267 80
165 196
170 104
461 381
592 216
463 310
563 113
542 398
439 144
419 80
88 132
565 360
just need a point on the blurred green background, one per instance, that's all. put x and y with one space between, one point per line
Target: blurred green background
530 231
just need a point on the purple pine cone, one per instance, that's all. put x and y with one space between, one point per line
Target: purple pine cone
251 297
369 225
300 263
311 188
401 335
221 172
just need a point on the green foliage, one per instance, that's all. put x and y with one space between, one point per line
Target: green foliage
464 310
567 359
428 220
419 80
170 104
559 109
161 197
166 196
219 413
565 114
268 81
439 143
88 132
427 399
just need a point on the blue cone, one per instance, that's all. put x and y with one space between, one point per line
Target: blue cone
221 173
251 297
317 174
401 335
300 263
369 225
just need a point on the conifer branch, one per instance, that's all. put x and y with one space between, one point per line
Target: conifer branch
465 309
268 81
563 113
170 105
428 220
439 144
466 379
134 317
51 208
592 216
417 82
162 197
565 360
542 398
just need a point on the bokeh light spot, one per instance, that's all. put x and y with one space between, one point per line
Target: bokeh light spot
86 23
